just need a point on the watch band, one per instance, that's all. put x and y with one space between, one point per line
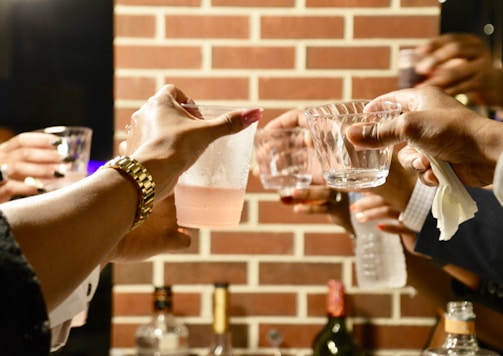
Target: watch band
145 185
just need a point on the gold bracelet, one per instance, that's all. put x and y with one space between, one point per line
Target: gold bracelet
145 185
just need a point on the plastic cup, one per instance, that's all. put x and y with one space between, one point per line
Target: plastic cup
210 194
75 151
345 167
284 157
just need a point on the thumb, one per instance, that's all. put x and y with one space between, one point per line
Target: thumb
234 121
368 136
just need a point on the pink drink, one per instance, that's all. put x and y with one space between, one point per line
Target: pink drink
208 207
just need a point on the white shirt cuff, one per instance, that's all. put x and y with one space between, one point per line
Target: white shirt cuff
418 207
498 180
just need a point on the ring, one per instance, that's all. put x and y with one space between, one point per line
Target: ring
4 172
128 127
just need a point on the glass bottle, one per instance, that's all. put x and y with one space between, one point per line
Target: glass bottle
460 338
335 338
164 335
221 343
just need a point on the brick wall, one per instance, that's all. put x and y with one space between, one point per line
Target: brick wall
279 54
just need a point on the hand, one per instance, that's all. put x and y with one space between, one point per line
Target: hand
28 154
159 234
167 139
461 63
435 124
296 118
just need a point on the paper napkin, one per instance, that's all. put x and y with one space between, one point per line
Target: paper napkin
452 205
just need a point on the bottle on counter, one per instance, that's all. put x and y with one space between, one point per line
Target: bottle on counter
334 339
221 342
380 260
460 337
164 335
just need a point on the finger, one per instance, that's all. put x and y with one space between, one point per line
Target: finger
14 188
31 139
289 119
21 170
232 122
394 229
381 134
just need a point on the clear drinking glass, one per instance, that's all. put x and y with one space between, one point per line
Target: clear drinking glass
343 165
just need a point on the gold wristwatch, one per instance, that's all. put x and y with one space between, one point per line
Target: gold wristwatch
143 181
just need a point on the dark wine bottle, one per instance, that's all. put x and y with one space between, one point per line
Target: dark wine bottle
335 338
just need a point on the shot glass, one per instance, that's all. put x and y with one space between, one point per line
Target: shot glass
284 156
344 166
210 194
74 147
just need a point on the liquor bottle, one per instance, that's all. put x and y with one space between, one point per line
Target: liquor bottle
460 337
164 335
380 260
221 343
334 339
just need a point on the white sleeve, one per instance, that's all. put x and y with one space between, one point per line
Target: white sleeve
72 311
418 207
498 180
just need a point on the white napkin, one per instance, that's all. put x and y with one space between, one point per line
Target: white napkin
452 204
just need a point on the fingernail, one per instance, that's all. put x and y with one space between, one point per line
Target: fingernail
360 216
58 174
250 116
69 159
418 164
57 142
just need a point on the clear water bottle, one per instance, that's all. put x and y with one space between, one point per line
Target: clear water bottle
380 260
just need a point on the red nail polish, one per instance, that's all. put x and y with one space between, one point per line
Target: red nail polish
250 116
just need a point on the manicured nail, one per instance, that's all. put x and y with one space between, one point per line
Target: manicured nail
360 216
69 159
58 174
250 116
418 164
57 142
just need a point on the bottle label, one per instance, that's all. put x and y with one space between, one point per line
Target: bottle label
459 326
169 342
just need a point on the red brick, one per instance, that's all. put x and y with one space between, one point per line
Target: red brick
134 26
348 58
264 304
298 27
209 88
348 3
200 335
159 2
328 244
357 305
253 57
206 26
395 26
370 87
253 3
294 336
271 212
157 57
407 337
122 116
205 272
123 335
419 3
140 304
288 88
251 243
134 88
277 273
133 273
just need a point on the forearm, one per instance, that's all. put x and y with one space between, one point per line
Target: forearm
98 211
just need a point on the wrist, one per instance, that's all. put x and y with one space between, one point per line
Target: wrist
143 182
